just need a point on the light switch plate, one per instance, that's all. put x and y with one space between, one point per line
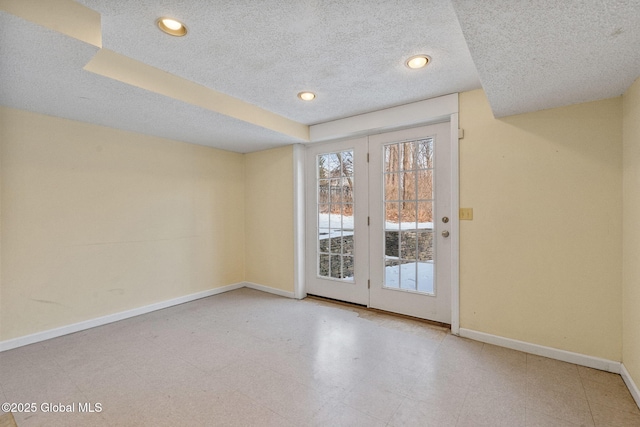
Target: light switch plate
466 214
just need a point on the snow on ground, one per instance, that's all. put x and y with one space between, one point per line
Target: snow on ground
333 221
337 222
407 273
333 224
408 225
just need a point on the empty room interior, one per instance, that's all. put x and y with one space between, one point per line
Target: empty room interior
356 213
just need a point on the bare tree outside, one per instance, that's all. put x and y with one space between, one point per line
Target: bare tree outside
335 215
409 181
335 172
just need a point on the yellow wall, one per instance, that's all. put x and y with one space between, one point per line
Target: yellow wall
541 260
269 218
631 224
97 221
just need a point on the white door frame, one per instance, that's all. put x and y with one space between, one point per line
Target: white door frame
436 110
356 289
436 306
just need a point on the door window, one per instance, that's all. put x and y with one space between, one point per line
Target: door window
408 210
335 209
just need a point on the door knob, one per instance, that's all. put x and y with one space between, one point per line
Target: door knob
445 233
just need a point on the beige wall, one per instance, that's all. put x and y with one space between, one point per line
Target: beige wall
97 221
631 226
269 218
541 260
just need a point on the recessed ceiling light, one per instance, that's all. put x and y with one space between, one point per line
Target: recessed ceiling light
306 96
172 27
418 61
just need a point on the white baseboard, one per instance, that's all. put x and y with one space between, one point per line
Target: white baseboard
631 385
540 350
269 290
88 324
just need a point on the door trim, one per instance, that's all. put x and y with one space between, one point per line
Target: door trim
299 223
430 111
455 225
441 109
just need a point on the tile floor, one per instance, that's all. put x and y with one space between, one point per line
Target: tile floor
249 358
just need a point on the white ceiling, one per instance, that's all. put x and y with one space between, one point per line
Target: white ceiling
538 54
529 55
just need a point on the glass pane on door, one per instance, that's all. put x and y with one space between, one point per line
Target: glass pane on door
408 211
335 214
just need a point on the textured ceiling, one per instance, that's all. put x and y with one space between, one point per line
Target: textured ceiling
42 71
529 55
538 54
349 52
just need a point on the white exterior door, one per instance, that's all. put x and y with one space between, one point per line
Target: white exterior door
337 236
378 212
410 210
